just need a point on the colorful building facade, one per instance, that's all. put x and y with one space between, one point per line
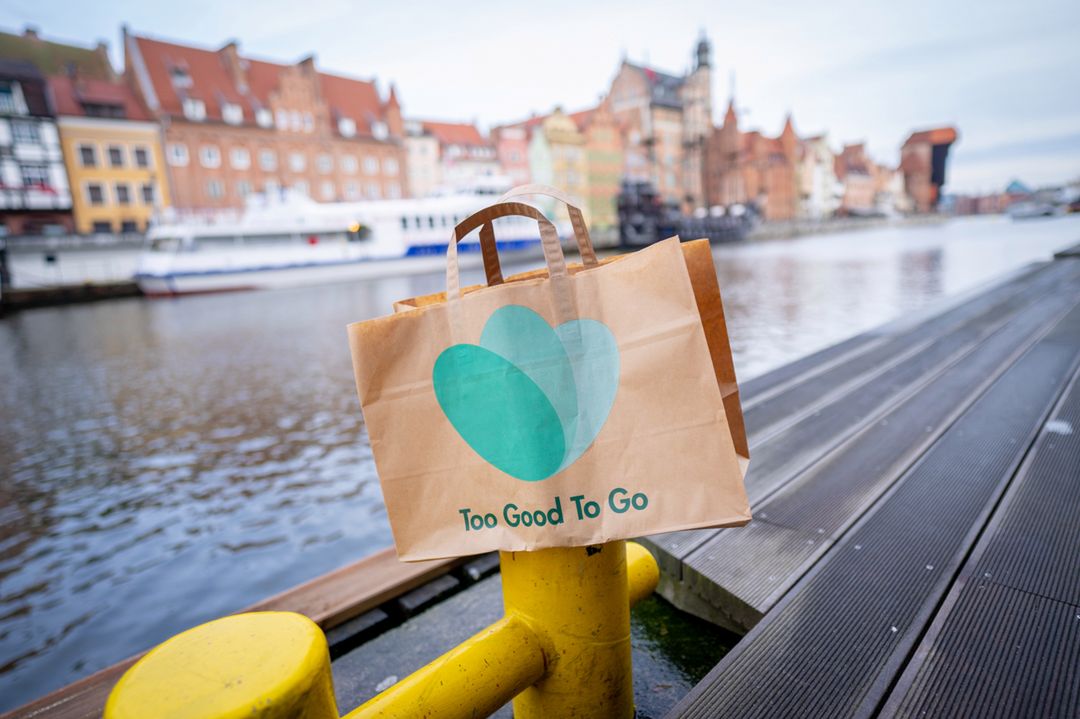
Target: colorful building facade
112 150
667 121
234 126
604 160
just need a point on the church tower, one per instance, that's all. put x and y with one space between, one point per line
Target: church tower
697 122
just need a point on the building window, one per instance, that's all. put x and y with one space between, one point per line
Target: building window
309 122
11 100
346 126
379 130
348 164
123 193
232 113
325 163
116 156
300 188
142 157
102 227
25 132
373 192
263 117
148 197
95 194
210 156
194 109
297 161
215 190
327 190
88 155
178 155
271 187
35 175
268 160
243 188
352 192
390 166
180 77
371 165
129 226
282 120
240 158
393 190
295 123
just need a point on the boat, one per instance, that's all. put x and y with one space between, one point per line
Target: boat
644 218
288 240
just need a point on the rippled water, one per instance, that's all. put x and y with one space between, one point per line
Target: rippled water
164 462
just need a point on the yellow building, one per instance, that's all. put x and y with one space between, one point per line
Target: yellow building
112 151
569 163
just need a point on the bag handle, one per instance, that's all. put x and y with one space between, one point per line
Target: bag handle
577 220
549 241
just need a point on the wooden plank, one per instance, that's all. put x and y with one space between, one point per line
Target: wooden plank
1006 641
846 630
328 600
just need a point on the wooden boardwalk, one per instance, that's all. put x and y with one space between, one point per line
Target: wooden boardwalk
915 549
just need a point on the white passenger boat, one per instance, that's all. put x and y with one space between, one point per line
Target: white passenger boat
290 240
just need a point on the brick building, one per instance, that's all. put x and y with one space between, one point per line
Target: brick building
923 158
748 167
667 121
461 155
234 125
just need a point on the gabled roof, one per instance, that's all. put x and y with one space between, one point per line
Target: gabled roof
213 81
70 94
210 80
54 58
664 87
935 136
582 118
357 100
455 133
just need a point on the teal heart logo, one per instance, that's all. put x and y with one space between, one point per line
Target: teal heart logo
530 398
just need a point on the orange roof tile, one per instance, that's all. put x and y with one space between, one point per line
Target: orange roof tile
70 94
455 133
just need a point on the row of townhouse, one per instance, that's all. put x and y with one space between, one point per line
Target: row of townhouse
182 129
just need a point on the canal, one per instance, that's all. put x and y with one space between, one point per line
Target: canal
168 461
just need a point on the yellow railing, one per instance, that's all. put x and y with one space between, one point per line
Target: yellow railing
563 649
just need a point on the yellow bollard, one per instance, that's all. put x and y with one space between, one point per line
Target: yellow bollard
563 649
577 601
273 665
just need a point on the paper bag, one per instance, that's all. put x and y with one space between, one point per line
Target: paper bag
566 407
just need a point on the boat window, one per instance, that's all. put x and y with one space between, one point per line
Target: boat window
442 220
404 223
418 221
164 244
431 221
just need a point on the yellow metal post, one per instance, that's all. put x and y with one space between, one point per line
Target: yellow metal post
577 601
273 665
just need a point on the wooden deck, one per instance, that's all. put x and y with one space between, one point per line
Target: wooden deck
915 549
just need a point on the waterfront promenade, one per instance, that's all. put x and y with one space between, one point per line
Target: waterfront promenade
913 548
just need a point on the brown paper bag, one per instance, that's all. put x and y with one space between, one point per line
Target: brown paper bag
567 407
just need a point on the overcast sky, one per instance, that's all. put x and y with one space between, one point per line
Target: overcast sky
1007 74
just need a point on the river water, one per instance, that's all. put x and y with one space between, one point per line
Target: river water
163 462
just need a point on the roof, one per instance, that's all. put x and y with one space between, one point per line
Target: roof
664 87
582 118
935 136
54 58
210 81
455 133
250 84
71 94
